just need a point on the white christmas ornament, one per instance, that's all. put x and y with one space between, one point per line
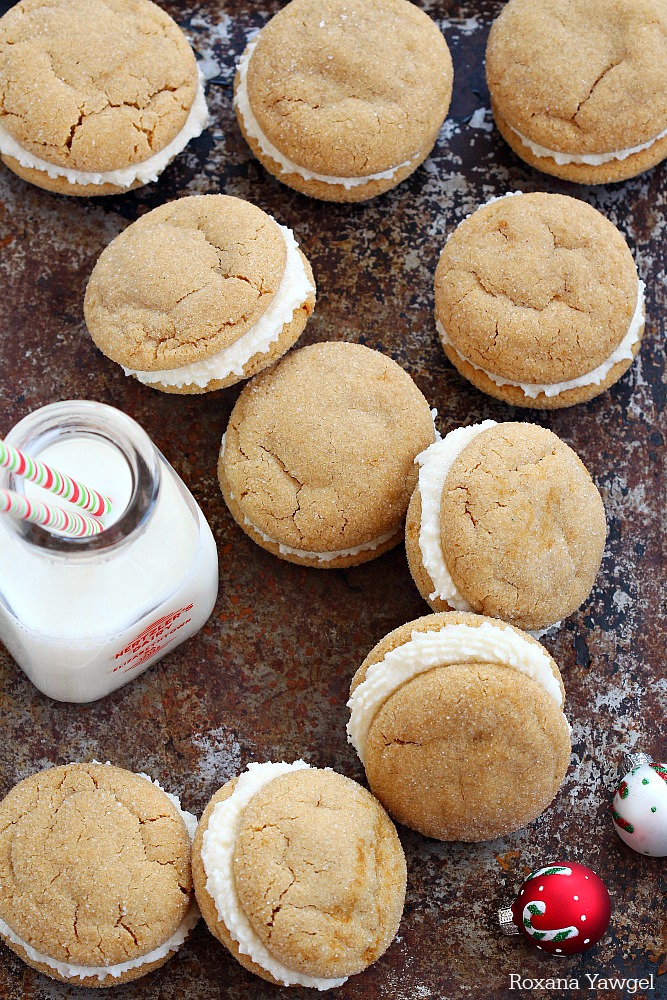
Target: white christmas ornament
639 809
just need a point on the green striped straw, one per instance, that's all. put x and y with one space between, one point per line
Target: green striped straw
54 518
55 482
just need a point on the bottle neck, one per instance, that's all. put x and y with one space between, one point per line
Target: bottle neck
98 425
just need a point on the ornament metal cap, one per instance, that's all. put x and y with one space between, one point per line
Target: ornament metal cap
632 760
506 921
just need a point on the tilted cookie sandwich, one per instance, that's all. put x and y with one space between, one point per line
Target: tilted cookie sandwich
343 99
95 876
317 464
458 720
505 521
538 301
199 294
299 872
579 87
96 96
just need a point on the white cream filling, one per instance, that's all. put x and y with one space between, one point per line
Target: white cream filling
102 972
242 104
592 159
292 292
147 171
621 353
485 643
218 846
539 632
325 557
435 464
70 971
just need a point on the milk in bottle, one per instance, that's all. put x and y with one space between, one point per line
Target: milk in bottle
83 616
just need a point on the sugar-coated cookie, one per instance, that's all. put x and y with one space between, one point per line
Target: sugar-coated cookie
299 872
579 87
199 294
95 876
343 99
317 464
505 521
458 720
538 301
96 96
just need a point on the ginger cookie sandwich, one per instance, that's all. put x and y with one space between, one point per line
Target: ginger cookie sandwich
579 87
199 294
299 872
317 463
343 99
538 301
96 96
95 874
505 521
458 720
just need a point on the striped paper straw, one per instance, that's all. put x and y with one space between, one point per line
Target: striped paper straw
53 481
55 518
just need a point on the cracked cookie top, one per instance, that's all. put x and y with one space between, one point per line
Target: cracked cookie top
581 76
184 282
347 88
94 85
320 873
94 864
319 451
465 751
536 288
522 525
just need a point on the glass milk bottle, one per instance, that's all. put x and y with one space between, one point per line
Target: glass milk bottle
83 616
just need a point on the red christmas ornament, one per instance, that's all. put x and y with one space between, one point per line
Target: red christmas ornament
562 908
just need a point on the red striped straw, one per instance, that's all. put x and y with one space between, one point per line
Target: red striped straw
53 481
54 518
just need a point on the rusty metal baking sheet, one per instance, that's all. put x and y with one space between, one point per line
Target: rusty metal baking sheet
267 678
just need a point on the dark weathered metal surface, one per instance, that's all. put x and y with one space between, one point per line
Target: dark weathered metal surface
268 676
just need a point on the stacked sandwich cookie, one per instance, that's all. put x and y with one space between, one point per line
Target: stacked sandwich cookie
95 878
343 100
96 96
299 872
579 87
458 720
505 521
199 294
538 301
317 463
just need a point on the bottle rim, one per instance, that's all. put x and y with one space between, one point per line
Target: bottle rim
77 418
